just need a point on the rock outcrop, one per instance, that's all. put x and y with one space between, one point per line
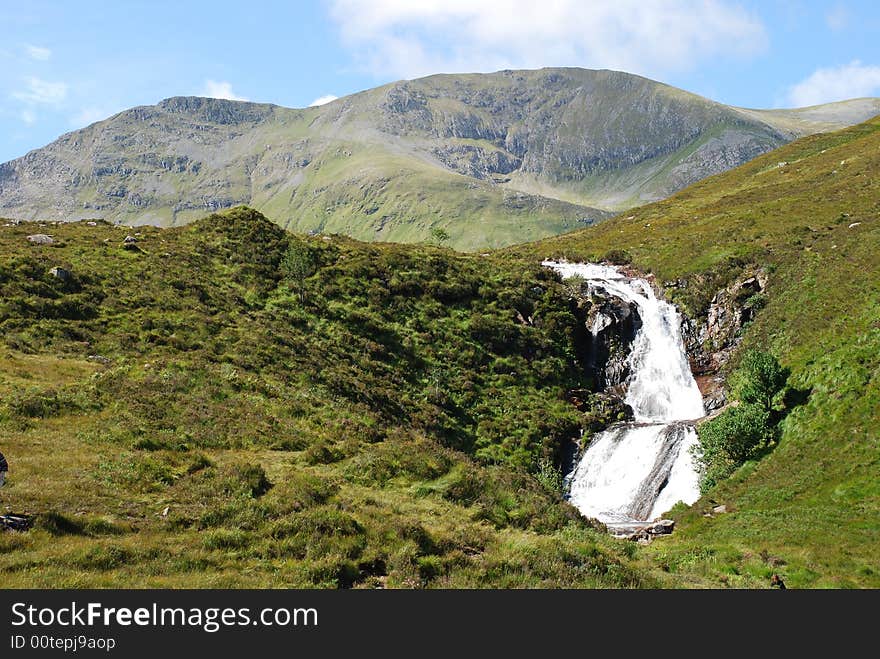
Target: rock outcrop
711 340
611 326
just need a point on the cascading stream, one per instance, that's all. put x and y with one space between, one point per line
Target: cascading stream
633 472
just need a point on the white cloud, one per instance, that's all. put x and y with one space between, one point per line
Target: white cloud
838 18
409 39
322 100
214 89
37 52
42 92
827 85
28 117
88 116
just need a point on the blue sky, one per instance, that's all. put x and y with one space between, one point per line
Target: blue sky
66 64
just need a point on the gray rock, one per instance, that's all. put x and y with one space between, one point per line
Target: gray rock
41 239
61 273
712 340
644 533
131 244
719 510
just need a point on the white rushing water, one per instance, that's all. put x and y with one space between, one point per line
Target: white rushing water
633 472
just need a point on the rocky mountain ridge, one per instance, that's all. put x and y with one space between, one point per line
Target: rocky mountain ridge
492 159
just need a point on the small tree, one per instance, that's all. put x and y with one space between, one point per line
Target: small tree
297 265
440 235
759 378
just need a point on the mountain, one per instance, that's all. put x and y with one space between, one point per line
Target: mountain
491 159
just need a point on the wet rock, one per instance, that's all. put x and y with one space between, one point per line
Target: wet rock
600 409
40 239
612 325
647 532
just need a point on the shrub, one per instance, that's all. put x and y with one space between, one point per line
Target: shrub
549 475
727 441
759 378
297 265
742 432
250 478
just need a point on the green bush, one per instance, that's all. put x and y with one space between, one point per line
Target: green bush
759 379
549 476
249 478
727 441
746 430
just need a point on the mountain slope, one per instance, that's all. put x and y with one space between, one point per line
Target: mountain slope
492 159
808 215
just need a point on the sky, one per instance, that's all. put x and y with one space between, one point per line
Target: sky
66 64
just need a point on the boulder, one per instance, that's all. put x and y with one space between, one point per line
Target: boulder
131 243
612 325
40 239
13 522
646 532
61 273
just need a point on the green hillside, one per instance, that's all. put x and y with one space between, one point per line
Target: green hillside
180 413
808 214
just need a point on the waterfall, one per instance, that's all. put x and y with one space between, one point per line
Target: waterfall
633 472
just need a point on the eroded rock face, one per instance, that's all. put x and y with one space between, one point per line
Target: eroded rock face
476 162
711 341
609 326
613 325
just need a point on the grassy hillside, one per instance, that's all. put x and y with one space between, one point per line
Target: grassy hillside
808 214
175 415
398 424
492 159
